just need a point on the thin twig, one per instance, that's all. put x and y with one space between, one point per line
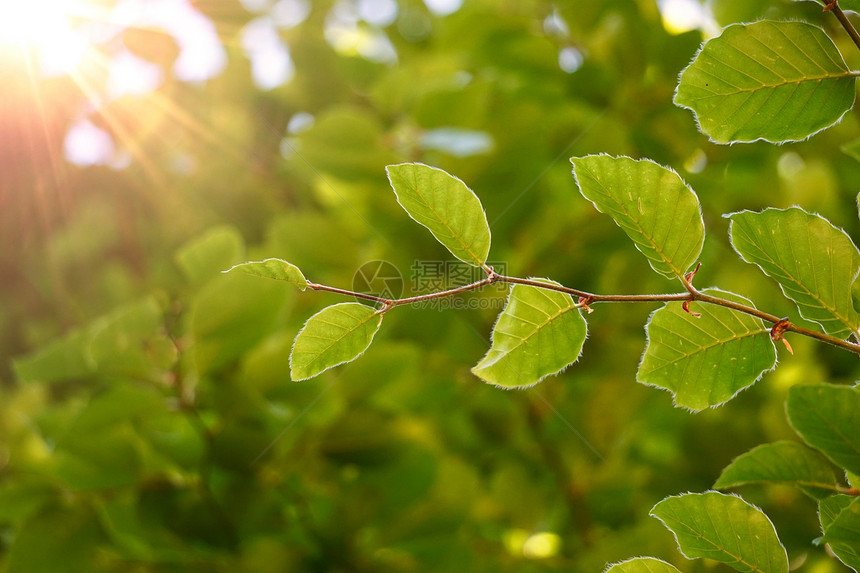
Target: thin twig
691 295
843 19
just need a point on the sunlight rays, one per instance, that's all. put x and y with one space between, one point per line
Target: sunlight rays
74 70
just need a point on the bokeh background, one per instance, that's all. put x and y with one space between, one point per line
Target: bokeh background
147 418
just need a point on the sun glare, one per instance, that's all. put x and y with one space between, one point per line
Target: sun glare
42 32
35 24
20 23
89 42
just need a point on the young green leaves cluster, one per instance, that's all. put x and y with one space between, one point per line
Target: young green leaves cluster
539 333
704 357
727 529
774 81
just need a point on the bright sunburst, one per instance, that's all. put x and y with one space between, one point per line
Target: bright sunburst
85 41
24 23
41 27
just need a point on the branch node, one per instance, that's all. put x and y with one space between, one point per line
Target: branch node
686 304
778 331
830 5
689 276
584 301
386 306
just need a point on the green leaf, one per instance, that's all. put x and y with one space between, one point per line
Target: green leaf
63 359
651 203
843 535
273 269
850 5
814 262
782 462
202 257
61 538
227 317
539 333
129 341
777 81
705 361
336 334
724 528
829 508
109 459
827 417
443 204
642 565
855 294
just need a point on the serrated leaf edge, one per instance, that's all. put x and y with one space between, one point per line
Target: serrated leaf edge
479 260
239 266
729 216
732 142
710 290
798 483
767 518
372 336
493 332
677 272
641 557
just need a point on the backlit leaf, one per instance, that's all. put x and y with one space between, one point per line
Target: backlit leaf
843 535
782 462
777 81
830 508
273 269
443 204
813 262
642 565
651 203
336 334
539 333
827 417
855 294
724 528
705 361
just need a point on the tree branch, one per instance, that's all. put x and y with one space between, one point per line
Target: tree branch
833 6
586 298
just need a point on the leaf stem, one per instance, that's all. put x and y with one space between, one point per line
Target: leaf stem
361 295
691 295
843 19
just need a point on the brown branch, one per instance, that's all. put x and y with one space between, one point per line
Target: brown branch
833 6
586 298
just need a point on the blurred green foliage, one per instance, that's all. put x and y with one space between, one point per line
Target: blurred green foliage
147 419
